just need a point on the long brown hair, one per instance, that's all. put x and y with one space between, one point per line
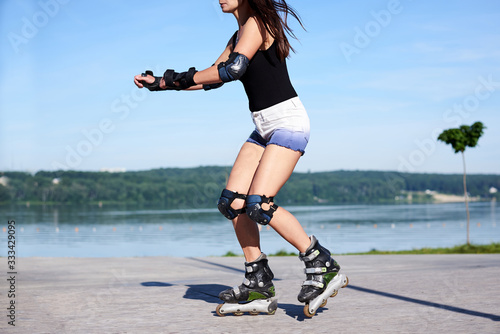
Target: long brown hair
269 12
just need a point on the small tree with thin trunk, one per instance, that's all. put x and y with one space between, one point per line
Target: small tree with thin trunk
461 138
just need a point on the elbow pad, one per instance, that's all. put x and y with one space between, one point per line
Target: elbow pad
234 67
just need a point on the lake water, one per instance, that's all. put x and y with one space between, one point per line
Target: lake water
91 231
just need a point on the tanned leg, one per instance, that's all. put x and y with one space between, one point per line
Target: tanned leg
240 180
275 168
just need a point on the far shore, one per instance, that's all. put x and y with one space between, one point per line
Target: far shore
445 198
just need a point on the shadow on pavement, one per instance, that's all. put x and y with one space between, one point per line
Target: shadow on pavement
296 311
206 292
156 284
427 303
224 266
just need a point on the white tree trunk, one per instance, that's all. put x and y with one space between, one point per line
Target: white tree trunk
466 201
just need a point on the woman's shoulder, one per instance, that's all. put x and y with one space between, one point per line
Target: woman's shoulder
255 26
251 26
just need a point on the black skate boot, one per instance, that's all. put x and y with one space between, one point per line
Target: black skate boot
256 293
321 268
258 283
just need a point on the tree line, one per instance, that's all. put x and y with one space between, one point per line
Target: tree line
201 187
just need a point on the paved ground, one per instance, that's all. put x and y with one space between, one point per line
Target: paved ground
387 294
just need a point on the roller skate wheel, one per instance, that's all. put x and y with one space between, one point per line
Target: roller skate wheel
271 309
217 310
307 313
334 293
346 282
238 313
254 312
323 304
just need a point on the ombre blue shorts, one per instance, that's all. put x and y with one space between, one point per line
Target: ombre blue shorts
285 124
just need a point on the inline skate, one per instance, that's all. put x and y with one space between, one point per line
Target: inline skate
323 278
256 294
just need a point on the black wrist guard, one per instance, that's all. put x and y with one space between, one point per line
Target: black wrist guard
155 86
186 79
170 77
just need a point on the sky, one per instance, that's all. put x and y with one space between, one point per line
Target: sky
380 80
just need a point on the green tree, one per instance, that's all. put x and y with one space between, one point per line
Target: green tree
461 138
4 194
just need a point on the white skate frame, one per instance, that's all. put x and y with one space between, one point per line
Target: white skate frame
331 290
268 306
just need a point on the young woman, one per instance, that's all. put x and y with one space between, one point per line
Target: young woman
256 55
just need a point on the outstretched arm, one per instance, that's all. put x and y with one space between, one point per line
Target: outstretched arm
230 65
205 77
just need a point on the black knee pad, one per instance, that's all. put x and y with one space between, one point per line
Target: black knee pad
254 209
224 204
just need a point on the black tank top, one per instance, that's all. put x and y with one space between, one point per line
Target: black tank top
266 79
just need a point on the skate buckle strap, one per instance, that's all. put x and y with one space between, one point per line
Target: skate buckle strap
236 291
250 269
311 256
317 270
316 284
247 282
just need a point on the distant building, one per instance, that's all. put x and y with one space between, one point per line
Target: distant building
4 181
113 170
56 181
493 190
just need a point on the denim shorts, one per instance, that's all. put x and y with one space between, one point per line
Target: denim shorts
285 124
